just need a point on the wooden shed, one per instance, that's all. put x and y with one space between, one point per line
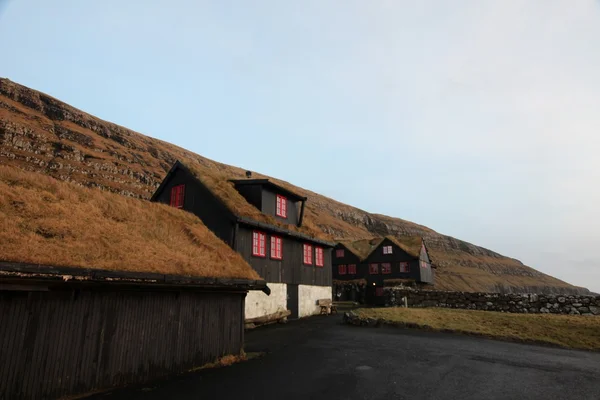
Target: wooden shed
98 290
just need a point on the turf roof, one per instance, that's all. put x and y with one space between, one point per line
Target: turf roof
364 247
222 186
54 223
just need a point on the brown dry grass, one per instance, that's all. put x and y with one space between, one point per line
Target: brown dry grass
28 133
363 247
576 332
218 183
45 221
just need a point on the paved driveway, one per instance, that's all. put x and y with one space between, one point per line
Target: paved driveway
318 358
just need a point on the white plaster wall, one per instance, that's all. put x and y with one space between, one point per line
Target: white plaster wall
259 304
308 296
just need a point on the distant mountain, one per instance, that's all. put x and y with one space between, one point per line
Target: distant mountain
40 133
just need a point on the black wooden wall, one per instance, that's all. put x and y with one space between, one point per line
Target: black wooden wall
289 270
200 201
59 343
398 255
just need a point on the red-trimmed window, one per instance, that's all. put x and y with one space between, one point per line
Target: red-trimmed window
373 269
404 267
339 253
424 264
177 195
379 291
259 244
342 269
352 269
281 206
386 268
319 259
307 254
276 248
387 249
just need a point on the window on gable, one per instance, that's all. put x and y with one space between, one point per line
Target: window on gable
276 248
424 264
387 249
352 269
177 195
386 268
259 244
339 253
373 269
281 206
342 269
319 259
404 267
307 254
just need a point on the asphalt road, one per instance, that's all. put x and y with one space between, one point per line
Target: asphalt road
318 358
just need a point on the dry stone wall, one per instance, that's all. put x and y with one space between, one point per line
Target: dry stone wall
505 302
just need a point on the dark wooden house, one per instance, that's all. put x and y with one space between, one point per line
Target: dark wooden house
372 264
133 301
262 221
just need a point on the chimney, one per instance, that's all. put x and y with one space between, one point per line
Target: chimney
248 174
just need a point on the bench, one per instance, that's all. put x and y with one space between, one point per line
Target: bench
327 306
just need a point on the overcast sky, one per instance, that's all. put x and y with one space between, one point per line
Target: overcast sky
479 119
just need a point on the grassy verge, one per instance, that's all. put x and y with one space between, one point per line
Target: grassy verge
568 331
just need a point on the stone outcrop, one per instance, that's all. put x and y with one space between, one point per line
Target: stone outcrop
504 302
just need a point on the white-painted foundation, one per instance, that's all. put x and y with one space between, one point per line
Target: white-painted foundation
259 304
308 296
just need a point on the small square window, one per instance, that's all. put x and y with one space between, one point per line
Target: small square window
259 244
307 254
177 196
341 269
319 258
276 248
387 249
373 269
339 253
404 267
352 269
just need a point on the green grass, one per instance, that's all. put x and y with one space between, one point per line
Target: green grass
576 332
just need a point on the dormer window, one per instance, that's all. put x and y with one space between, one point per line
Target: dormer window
281 206
339 253
177 195
387 249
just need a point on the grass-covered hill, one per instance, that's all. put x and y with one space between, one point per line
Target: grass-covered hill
40 133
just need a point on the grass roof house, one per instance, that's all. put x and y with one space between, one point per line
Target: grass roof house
379 262
99 290
264 222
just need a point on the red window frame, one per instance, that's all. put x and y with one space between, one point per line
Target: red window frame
352 269
259 244
307 256
378 291
373 269
386 268
423 264
319 257
177 196
387 249
342 269
281 206
276 248
404 267
339 253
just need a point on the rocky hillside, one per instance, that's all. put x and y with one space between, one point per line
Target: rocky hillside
40 133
